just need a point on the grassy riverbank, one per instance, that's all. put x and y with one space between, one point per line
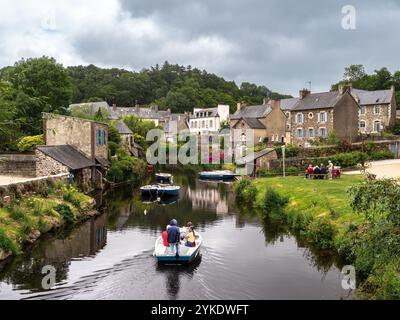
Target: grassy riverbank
26 218
361 225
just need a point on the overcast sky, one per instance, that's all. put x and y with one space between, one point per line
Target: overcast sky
278 43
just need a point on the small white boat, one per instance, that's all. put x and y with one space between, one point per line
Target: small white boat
186 254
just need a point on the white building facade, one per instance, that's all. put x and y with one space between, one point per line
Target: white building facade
208 121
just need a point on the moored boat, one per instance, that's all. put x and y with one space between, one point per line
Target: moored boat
186 254
165 178
217 175
159 190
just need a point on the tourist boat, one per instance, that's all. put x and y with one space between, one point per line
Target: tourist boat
160 190
217 175
186 254
165 178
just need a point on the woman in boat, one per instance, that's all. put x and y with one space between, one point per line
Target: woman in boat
174 236
190 238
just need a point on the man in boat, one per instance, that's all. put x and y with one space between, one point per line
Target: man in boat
174 236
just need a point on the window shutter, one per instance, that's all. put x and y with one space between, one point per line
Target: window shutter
318 117
326 116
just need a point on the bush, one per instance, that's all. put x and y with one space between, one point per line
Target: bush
65 212
321 232
290 151
112 146
125 169
380 155
273 202
28 143
6 243
245 191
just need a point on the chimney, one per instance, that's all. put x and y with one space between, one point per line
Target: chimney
345 87
239 106
265 101
114 107
275 104
303 93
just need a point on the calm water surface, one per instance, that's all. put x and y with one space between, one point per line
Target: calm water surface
110 257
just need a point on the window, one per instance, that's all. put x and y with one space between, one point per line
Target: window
311 133
377 109
362 110
310 115
203 124
362 124
323 117
323 132
300 133
211 123
299 118
100 137
377 126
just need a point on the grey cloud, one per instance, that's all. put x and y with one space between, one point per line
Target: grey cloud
278 43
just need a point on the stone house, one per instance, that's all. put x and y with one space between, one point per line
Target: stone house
128 140
267 121
254 162
53 160
315 115
177 123
208 121
68 138
377 109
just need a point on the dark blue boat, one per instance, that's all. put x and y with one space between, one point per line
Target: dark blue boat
159 190
164 178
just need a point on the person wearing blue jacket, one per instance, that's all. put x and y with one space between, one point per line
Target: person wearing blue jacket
174 236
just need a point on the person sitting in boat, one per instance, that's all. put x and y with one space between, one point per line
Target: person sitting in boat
186 230
190 238
165 238
174 236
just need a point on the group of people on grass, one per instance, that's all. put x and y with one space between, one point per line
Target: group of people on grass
173 236
319 172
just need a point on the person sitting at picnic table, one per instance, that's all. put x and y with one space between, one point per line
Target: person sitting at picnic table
309 170
323 170
317 171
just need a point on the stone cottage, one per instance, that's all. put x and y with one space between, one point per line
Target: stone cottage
74 145
267 121
377 109
127 139
316 114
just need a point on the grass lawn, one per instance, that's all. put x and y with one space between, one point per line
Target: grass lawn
316 197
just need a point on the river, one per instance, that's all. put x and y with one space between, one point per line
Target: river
110 257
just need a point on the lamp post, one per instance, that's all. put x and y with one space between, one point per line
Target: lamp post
283 160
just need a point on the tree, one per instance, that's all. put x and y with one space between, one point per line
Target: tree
41 85
354 72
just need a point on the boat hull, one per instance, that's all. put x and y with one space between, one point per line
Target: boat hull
158 191
179 259
217 176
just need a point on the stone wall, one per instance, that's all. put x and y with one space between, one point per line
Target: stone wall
33 185
62 130
47 166
100 150
23 165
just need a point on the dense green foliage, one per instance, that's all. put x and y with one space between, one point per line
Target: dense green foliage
273 202
381 79
28 143
170 86
36 85
126 168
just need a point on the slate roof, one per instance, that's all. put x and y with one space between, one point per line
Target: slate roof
365 97
251 157
213 112
259 111
320 100
68 156
103 161
288 104
122 127
253 123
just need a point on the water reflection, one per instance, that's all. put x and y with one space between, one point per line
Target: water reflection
173 274
111 256
25 272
